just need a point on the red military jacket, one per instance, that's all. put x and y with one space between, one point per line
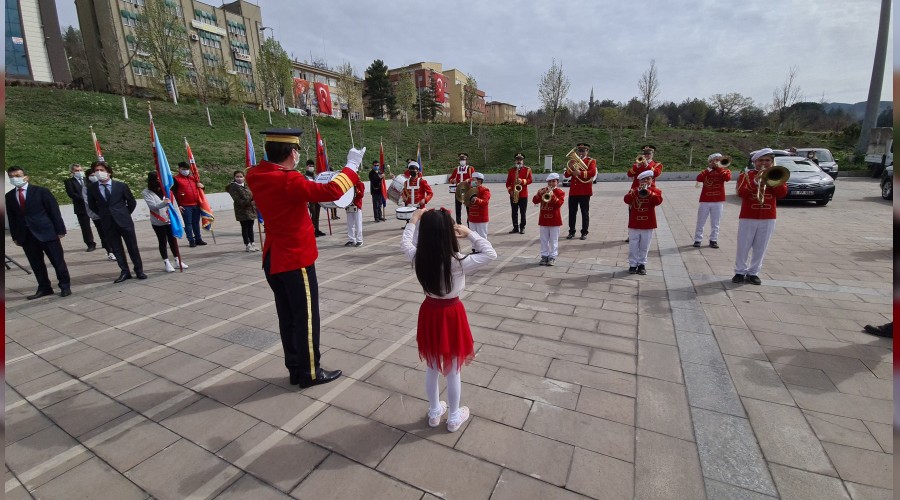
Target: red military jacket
466 176
643 210
583 182
423 192
478 211
360 190
635 169
524 174
751 208
549 214
713 184
281 196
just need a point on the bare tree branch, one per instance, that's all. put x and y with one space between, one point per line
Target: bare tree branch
648 86
552 90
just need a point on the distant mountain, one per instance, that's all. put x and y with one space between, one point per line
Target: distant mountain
858 110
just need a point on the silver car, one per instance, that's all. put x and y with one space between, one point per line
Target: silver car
823 158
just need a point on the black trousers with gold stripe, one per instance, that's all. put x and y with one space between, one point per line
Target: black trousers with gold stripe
297 303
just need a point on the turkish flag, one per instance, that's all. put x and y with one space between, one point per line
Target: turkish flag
321 155
323 95
300 87
439 86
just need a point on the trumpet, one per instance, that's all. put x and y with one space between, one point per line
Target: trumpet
724 161
643 192
575 162
771 177
641 159
547 196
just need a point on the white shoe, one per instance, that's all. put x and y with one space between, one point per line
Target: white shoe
248 247
111 256
181 262
254 247
169 268
453 424
436 421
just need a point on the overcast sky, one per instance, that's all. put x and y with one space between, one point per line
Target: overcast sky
700 47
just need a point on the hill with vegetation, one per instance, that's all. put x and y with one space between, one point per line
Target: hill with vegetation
48 128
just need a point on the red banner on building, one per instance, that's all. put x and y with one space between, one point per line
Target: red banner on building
323 95
300 87
440 86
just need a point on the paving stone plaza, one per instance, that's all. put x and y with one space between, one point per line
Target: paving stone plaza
589 382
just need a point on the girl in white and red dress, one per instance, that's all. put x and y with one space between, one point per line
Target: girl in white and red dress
443 335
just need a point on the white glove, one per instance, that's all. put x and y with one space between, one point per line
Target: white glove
354 158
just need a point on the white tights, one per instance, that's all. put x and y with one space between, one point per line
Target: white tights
433 390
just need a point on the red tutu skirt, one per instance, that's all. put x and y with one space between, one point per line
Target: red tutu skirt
444 335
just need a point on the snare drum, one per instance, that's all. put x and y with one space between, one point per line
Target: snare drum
396 188
342 202
452 188
405 213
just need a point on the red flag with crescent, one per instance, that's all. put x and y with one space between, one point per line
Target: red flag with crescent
321 155
323 95
439 88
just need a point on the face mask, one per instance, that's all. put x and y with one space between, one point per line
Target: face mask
18 181
519 164
310 169
185 172
92 178
462 163
78 175
297 161
102 176
413 173
239 180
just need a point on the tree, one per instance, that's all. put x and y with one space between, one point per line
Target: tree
78 64
614 121
405 94
552 90
470 99
274 68
785 96
648 86
729 105
161 34
350 88
886 118
378 90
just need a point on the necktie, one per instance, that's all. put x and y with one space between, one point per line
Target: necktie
22 198
106 192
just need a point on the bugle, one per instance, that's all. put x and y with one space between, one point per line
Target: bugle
547 196
724 161
771 177
640 160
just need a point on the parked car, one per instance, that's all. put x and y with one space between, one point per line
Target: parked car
825 160
887 183
807 182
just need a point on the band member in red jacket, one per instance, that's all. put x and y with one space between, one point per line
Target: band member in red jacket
517 180
581 189
642 202
478 210
461 173
550 198
416 191
757 219
645 162
712 199
354 216
289 252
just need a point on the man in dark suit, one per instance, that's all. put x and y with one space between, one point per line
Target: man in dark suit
73 186
36 225
114 203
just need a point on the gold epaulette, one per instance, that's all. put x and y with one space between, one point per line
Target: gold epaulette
343 181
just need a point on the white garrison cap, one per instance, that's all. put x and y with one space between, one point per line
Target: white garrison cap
553 177
762 152
478 175
645 174
714 156
413 164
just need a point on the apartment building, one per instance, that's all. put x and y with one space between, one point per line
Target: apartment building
305 96
34 45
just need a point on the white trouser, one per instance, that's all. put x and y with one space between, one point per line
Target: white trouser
752 234
354 226
433 390
713 210
480 228
549 241
638 246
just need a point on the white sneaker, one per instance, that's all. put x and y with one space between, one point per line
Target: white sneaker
111 256
248 248
436 421
254 247
453 424
169 268
181 262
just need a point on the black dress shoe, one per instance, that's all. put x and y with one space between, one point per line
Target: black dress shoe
642 270
39 294
754 280
886 330
319 233
122 277
697 244
201 243
383 219
522 230
192 244
65 292
322 377
583 237
514 230
570 236
348 244
91 247
632 270
141 276
737 278
714 244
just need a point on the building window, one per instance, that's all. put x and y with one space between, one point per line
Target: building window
142 68
201 16
135 2
16 52
129 18
236 28
243 67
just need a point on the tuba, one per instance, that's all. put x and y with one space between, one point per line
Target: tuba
575 162
771 177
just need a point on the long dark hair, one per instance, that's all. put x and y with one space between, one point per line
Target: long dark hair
436 247
153 183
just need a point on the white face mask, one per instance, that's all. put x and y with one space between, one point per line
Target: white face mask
102 176
185 172
462 163
78 175
297 160
518 164
18 181
92 178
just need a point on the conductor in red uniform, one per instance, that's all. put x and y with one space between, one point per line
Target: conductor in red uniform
581 189
289 253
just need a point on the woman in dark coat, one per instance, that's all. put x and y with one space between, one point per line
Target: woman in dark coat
244 208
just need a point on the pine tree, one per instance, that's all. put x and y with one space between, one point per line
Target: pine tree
378 90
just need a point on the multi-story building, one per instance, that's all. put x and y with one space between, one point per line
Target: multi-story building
34 46
500 112
424 73
220 38
457 89
305 97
